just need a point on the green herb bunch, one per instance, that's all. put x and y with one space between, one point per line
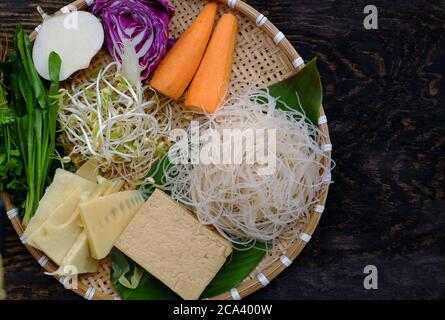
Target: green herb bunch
11 167
35 107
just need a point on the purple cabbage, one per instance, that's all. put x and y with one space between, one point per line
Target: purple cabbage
140 23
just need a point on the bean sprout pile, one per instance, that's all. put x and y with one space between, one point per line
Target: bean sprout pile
242 204
121 126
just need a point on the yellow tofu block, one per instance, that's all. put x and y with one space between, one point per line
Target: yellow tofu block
78 259
63 186
105 218
170 243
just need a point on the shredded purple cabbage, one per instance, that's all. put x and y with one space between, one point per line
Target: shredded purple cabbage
143 23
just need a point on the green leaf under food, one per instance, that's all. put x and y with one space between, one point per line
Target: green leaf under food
302 91
236 269
157 175
149 287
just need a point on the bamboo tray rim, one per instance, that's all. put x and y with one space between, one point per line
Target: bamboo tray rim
270 273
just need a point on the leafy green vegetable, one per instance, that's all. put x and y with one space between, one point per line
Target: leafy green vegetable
36 110
302 91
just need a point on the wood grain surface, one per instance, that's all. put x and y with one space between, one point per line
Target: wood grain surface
384 98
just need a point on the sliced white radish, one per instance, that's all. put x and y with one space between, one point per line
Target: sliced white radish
76 37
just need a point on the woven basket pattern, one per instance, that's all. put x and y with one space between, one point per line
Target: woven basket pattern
263 55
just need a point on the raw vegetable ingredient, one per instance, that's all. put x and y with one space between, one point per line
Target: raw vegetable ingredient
11 167
62 187
57 229
36 109
111 121
78 256
89 170
59 232
76 37
262 194
209 86
303 91
136 33
168 242
106 218
178 68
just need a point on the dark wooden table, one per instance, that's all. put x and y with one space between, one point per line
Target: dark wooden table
384 97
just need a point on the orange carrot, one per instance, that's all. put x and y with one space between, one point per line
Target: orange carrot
177 69
210 84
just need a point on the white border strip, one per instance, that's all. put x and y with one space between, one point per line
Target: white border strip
328 178
12 213
261 20
23 239
278 38
90 293
319 208
305 237
263 279
43 261
65 10
235 294
231 3
286 261
298 62
322 120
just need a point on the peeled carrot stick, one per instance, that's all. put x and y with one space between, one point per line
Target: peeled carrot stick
209 86
176 71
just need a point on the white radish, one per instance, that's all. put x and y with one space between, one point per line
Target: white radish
77 37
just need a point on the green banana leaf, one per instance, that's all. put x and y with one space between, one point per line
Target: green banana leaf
236 269
302 92
149 288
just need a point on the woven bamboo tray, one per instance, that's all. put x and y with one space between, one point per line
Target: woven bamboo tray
263 54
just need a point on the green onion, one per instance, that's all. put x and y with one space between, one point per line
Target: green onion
36 109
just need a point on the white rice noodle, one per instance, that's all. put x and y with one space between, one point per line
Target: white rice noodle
243 205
